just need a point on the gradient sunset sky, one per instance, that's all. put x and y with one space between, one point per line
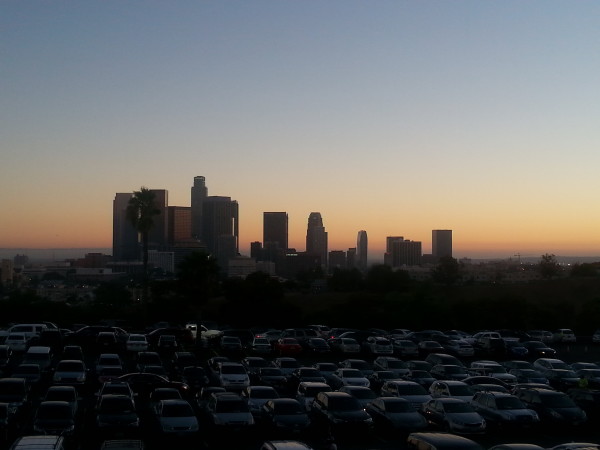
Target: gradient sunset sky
394 117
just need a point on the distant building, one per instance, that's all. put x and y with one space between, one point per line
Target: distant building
275 229
179 219
219 218
337 260
256 251
6 270
158 235
362 246
406 253
441 243
93 261
316 237
351 258
241 267
162 260
198 195
20 260
389 243
125 236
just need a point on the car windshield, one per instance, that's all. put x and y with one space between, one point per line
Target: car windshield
177 410
116 405
54 412
327 367
69 367
288 364
137 338
393 364
312 391
270 372
461 390
62 395
263 393
566 374
458 407
364 394
398 407
348 341
309 373
351 373
288 408
557 401
28 370
343 404
233 369
411 389
231 406
509 403
362 365
454 370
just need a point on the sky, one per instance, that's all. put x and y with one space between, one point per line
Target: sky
394 117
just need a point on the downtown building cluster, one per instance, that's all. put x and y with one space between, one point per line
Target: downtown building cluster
211 224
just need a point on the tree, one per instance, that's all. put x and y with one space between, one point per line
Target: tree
198 276
447 271
141 211
548 266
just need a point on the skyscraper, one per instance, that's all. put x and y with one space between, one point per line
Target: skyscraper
316 237
220 224
275 229
388 259
199 194
158 235
179 224
441 244
125 236
406 253
361 250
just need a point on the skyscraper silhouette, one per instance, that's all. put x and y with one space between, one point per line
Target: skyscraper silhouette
362 245
199 194
316 237
441 243
125 236
220 225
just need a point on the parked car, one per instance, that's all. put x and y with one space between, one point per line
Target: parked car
554 408
66 394
257 396
395 365
176 417
232 375
365 368
416 394
538 349
261 346
136 343
70 371
451 389
405 348
440 441
308 390
395 413
504 410
116 413
54 417
270 376
564 335
528 376
287 346
284 416
378 345
339 409
448 372
228 410
453 415
348 377
363 394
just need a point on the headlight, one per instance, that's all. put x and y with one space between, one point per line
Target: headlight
555 414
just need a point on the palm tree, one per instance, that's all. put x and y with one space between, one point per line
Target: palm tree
141 210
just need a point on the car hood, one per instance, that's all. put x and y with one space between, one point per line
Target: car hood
411 420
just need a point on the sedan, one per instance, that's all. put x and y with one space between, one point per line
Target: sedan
453 415
284 415
176 417
393 413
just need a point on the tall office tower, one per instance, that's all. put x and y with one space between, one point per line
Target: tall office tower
125 236
179 227
158 235
441 243
275 229
351 258
361 250
406 253
389 241
199 194
316 237
219 218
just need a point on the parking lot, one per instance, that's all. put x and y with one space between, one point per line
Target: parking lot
87 434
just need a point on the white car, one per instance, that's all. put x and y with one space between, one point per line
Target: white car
232 375
176 417
379 345
416 394
564 335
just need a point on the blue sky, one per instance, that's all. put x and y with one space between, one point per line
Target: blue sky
395 117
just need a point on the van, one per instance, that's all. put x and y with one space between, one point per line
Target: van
30 330
38 443
40 355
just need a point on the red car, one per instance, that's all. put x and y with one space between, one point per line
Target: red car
287 346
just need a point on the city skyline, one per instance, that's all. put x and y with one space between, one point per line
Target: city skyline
397 118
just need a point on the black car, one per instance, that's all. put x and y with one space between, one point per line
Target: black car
340 409
537 349
554 408
284 416
144 383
